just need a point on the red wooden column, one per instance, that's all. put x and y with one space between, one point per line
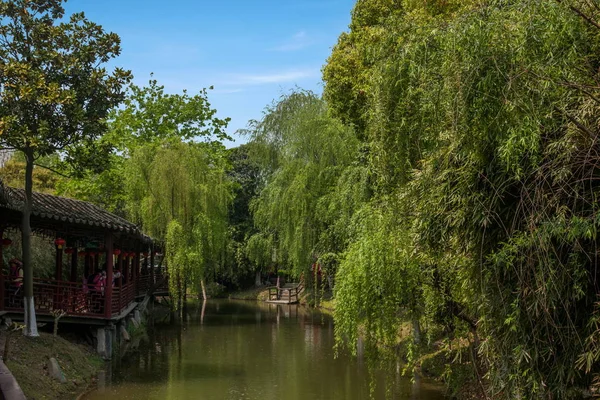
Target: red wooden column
108 245
1 272
97 261
120 267
86 267
59 262
125 269
73 277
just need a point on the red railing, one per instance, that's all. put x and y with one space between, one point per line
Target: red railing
50 295
144 283
73 298
122 297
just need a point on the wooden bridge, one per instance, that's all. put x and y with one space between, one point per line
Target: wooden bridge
289 294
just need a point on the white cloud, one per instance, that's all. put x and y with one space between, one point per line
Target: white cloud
267 78
299 41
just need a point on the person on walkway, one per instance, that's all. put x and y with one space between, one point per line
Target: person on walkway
116 276
15 274
95 294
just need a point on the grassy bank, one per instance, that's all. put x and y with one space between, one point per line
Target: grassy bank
28 362
256 294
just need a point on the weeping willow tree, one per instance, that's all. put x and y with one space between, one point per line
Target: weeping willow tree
179 193
169 173
303 153
482 124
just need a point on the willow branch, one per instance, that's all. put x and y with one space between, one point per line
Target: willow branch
582 15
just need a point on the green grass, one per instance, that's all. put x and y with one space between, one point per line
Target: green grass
260 293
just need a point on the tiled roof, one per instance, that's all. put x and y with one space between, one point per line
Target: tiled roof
63 209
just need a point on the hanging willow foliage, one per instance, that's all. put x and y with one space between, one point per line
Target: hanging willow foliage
303 152
179 193
482 123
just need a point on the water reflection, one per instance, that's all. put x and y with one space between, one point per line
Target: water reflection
244 350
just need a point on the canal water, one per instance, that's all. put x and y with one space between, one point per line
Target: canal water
233 350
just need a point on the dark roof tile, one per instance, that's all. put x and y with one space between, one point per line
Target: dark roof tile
63 209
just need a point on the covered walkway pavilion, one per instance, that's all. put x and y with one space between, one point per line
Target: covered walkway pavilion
86 239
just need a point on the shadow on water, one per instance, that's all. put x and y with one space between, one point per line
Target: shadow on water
244 350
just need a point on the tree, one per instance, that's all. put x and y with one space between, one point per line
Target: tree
303 153
54 96
481 120
148 119
245 176
170 164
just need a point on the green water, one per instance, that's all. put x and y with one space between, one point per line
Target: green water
234 350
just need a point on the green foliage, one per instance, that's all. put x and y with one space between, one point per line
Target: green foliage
303 152
478 120
12 174
185 183
54 96
151 116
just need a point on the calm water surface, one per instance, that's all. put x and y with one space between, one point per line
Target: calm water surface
234 350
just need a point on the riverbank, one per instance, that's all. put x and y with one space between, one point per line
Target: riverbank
254 294
28 361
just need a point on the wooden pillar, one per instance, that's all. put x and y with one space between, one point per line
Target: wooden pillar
97 262
108 245
86 265
73 277
135 266
125 269
120 268
59 262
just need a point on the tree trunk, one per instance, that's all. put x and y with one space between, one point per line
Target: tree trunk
416 331
257 280
203 289
30 320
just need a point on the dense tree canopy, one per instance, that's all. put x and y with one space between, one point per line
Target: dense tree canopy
446 181
303 152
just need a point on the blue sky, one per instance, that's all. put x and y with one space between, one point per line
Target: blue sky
251 51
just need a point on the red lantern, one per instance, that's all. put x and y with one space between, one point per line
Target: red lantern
60 242
6 242
93 253
131 254
69 250
116 252
82 253
145 254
